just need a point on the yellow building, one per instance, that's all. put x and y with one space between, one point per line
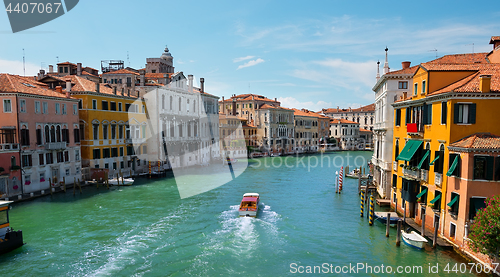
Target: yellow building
111 125
450 98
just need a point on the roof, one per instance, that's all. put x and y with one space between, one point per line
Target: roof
470 58
82 84
18 84
249 97
342 121
364 130
494 38
157 75
297 112
121 71
471 82
66 63
367 108
478 141
409 70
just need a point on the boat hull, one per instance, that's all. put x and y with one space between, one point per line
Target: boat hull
413 239
248 213
12 241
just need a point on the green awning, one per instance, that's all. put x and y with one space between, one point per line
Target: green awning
435 199
423 159
452 167
453 201
433 161
421 193
409 150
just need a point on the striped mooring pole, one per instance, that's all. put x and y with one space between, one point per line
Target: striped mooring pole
341 178
159 166
362 202
372 206
149 169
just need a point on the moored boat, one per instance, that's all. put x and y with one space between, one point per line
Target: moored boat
121 182
9 239
413 239
249 205
382 217
355 174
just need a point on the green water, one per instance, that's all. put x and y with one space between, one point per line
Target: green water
147 230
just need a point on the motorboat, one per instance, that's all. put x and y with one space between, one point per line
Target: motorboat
413 239
9 239
249 205
121 181
382 217
355 174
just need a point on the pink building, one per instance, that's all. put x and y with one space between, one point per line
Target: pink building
46 125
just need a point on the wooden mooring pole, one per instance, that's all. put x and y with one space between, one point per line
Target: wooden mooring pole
398 235
388 225
423 225
434 239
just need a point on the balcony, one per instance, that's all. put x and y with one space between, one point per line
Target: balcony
128 141
9 146
411 174
424 175
438 179
395 165
415 129
55 146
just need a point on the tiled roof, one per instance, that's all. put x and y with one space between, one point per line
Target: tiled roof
297 112
461 59
367 108
82 84
342 121
409 70
471 83
494 38
248 97
121 71
157 75
478 141
452 67
15 83
64 63
363 130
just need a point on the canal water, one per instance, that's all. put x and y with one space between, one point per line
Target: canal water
148 230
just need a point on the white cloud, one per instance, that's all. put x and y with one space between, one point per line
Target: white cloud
240 59
16 67
291 102
251 63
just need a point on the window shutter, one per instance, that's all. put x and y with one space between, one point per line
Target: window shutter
38 136
408 115
489 167
455 113
429 116
474 169
425 117
472 113
458 169
497 168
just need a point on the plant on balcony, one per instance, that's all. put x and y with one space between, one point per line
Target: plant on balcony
42 179
15 187
15 167
432 205
401 165
27 183
419 200
484 233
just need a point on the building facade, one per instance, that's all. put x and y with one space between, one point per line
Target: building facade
346 133
275 129
364 116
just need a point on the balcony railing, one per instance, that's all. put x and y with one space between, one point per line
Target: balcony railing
424 175
55 145
9 146
438 179
413 174
395 165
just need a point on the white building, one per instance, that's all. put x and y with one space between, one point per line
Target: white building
387 90
347 134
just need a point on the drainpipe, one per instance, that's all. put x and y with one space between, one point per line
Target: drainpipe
20 156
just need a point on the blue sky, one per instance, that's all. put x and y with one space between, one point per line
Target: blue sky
307 54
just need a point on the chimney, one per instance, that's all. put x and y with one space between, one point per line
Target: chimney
41 74
143 78
275 99
405 94
97 87
51 69
114 90
59 89
485 83
495 41
167 79
234 106
68 86
406 64
202 85
190 83
223 105
79 69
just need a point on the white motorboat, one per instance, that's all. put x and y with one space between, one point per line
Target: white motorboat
249 205
121 182
413 239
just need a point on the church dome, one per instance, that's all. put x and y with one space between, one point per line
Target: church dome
166 55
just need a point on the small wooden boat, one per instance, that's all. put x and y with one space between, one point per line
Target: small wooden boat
355 174
9 239
413 239
382 217
120 182
249 205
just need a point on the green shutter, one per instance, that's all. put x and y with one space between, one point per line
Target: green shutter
455 113
497 169
429 116
423 159
425 115
435 159
444 111
472 113
422 193
453 201
489 167
435 199
452 167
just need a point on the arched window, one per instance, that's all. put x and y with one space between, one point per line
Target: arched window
58 133
163 101
396 152
47 134
180 108
52 134
171 102
13 161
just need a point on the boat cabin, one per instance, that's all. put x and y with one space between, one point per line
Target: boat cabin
4 218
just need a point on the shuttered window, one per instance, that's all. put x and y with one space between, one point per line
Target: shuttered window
483 167
464 113
398 117
444 112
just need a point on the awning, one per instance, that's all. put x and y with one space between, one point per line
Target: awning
433 161
421 193
423 159
409 150
452 167
453 201
435 199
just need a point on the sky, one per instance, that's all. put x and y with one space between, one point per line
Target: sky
314 54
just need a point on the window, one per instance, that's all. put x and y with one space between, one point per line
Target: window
64 111
58 133
104 105
114 166
95 128
120 131
475 204
497 168
40 159
114 152
26 160
121 151
104 131
76 135
94 104
60 157
61 69
144 150
187 105
423 87
77 155
415 89
427 115
120 107
453 229
75 109
45 107
454 203
143 109
7 106
106 153
408 115
37 106
112 106
97 153
464 113
66 156
49 158
42 176
113 131
58 108
438 163
170 102
401 85
180 104
444 111
483 167
127 107
398 118
65 69
67 171
396 151
22 105
25 137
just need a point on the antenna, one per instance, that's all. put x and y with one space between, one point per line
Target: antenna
57 57
472 47
128 60
434 50
24 64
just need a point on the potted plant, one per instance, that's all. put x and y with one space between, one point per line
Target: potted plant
432 205
42 179
419 200
27 183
